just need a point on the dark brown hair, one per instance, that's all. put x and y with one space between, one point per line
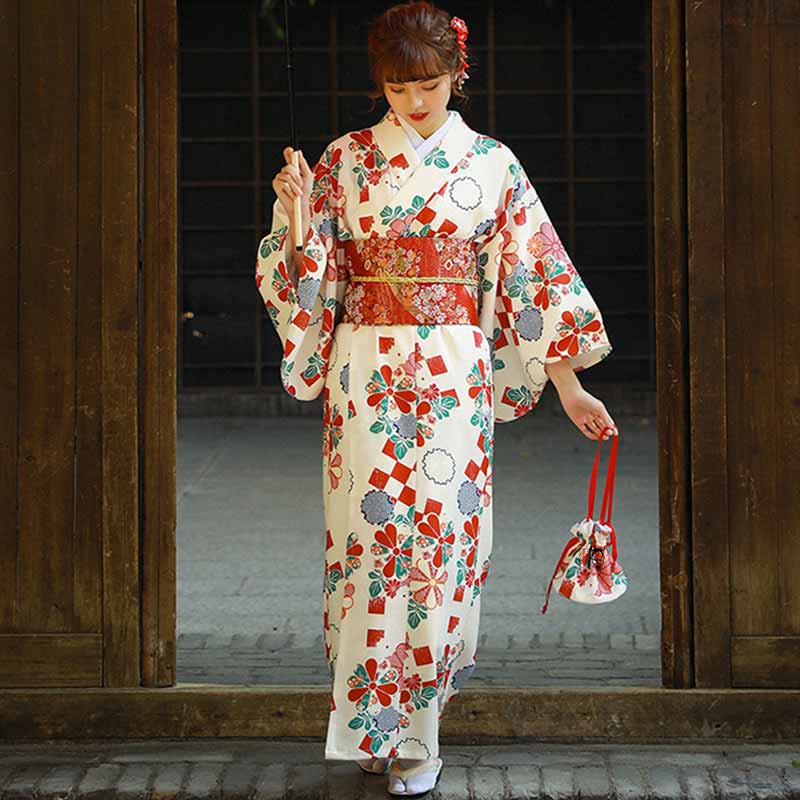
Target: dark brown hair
412 41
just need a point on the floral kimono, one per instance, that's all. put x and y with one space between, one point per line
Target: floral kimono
430 296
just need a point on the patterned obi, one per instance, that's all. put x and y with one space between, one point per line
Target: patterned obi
411 280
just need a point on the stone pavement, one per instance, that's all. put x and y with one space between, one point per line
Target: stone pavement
239 769
566 660
250 553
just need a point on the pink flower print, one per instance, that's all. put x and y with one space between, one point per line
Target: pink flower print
599 565
335 471
507 258
396 228
337 201
347 598
413 362
546 241
479 387
430 392
399 655
486 493
432 583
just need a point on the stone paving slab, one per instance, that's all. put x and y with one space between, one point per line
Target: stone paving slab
264 769
250 544
258 660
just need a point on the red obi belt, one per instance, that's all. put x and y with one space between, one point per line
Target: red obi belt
411 280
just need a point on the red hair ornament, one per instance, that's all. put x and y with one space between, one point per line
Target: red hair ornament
460 27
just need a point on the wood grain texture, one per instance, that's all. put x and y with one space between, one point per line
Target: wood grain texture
766 661
47 314
9 329
119 354
750 300
706 315
51 659
159 337
474 716
88 548
785 82
670 287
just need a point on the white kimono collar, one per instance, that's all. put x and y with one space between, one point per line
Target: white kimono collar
403 160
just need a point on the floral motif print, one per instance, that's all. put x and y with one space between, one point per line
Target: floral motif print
414 376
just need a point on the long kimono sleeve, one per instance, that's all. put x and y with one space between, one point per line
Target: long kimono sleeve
305 317
534 306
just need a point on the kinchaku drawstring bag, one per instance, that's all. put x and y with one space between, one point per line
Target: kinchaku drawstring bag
587 570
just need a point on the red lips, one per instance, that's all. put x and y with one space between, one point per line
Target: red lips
418 117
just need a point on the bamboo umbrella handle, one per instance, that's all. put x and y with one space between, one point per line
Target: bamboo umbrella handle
299 234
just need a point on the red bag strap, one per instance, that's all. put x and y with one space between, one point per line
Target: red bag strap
608 493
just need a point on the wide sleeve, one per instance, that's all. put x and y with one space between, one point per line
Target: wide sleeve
305 317
534 307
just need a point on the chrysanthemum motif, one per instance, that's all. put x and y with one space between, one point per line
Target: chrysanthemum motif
439 466
406 425
431 580
377 506
387 719
469 497
307 291
528 323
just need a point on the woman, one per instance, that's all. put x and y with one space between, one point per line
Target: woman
432 298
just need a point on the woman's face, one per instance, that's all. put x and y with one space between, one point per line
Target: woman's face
429 97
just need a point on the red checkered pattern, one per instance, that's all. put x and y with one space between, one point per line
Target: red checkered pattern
429 215
395 483
431 507
474 470
504 311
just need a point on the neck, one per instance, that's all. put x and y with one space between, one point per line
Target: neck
429 125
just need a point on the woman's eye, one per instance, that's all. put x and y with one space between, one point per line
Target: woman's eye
431 88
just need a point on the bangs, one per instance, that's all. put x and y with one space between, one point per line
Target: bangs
410 61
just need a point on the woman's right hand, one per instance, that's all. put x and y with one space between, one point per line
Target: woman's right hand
290 183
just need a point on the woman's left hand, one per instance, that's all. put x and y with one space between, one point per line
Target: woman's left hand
588 413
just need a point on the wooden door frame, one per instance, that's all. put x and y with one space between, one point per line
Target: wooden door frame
159 343
680 710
